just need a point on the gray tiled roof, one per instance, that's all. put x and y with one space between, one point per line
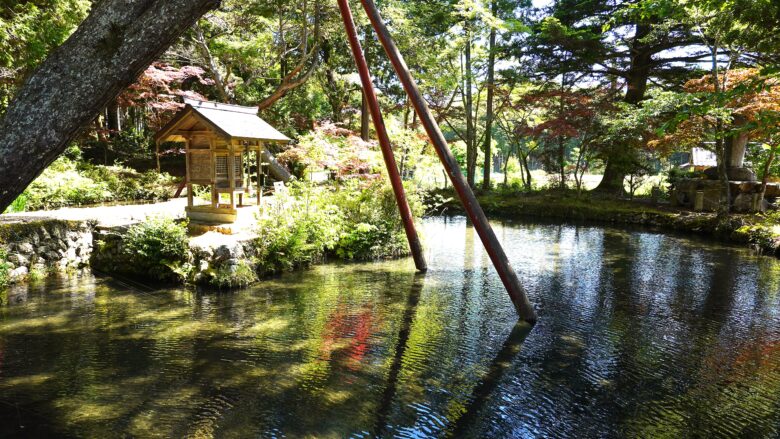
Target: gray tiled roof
237 121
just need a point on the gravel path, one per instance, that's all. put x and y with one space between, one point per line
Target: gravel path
107 216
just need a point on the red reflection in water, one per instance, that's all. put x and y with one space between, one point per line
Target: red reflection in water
350 331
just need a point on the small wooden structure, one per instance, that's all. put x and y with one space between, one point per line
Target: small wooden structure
698 159
218 138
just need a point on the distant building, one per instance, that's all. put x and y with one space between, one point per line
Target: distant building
698 159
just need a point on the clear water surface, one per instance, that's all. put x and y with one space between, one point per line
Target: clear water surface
640 334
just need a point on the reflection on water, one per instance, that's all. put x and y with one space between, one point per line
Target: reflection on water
640 335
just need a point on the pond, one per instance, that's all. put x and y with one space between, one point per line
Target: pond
641 334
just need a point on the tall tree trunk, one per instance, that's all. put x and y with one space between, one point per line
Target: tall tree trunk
724 204
637 77
489 112
471 152
108 51
335 98
561 143
112 119
528 177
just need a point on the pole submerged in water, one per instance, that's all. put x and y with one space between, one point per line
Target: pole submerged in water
384 141
474 211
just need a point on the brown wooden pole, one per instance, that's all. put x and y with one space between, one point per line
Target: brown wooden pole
384 140
474 211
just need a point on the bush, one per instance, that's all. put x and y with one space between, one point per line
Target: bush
5 269
297 234
126 184
351 221
159 248
372 227
71 182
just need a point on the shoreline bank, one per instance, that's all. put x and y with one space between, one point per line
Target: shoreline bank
754 231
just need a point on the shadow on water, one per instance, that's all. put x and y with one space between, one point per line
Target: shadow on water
400 348
487 385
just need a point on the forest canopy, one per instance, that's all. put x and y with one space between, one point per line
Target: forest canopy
567 87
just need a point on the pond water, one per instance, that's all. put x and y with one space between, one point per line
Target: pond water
640 334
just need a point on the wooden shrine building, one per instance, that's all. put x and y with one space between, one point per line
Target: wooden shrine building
219 140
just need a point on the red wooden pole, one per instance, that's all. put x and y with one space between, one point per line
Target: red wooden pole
474 211
384 140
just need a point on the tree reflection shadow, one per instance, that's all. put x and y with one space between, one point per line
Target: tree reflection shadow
400 348
483 391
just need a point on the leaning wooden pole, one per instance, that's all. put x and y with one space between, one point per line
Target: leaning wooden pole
508 276
384 140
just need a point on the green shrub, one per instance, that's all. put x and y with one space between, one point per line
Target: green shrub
5 269
61 184
71 182
125 184
19 204
298 234
352 221
159 248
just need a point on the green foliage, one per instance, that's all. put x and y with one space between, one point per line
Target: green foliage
29 30
759 156
299 231
372 226
352 221
234 276
159 248
69 182
5 268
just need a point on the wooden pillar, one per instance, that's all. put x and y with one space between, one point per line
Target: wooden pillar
232 173
187 178
369 94
213 159
259 171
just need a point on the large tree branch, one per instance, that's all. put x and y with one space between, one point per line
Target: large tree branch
110 49
290 80
208 58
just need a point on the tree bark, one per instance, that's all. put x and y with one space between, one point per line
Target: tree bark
489 112
471 151
637 78
724 204
113 121
110 49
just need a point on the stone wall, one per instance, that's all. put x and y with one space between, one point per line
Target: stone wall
217 260
37 247
745 195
